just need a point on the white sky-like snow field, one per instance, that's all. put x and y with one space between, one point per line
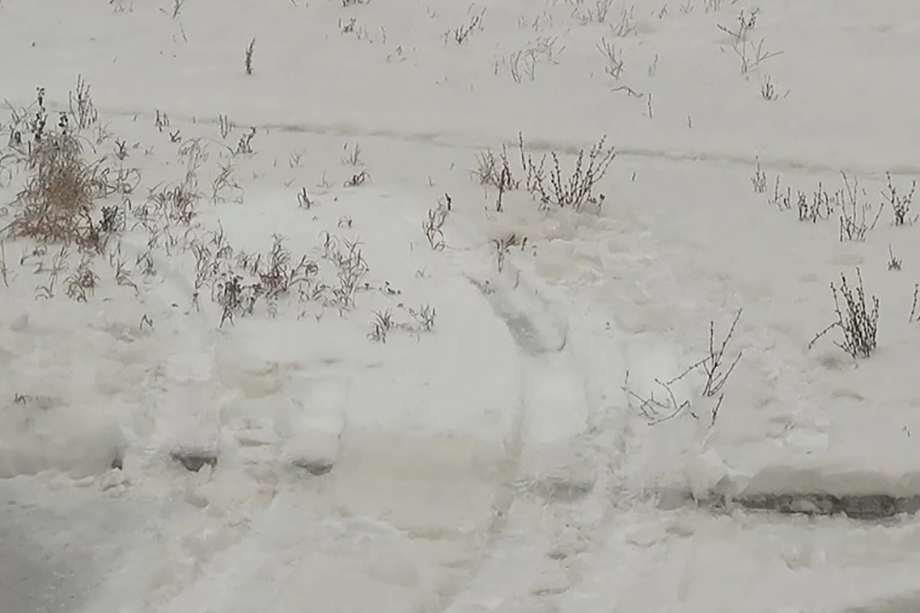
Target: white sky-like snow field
522 440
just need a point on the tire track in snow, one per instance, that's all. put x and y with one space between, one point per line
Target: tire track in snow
457 140
173 287
561 494
170 291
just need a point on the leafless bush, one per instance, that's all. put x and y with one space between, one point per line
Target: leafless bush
626 26
244 146
240 280
175 9
352 155
423 317
529 62
506 182
121 149
576 190
854 221
894 263
250 50
295 159
768 90
113 219
710 6
303 199
614 58
145 263
913 307
503 245
745 25
654 409
716 367
358 179
546 49
900 202
161 120
495 171
224 182
487 170
4 270
750 54
122 273
278 276
224 125
593 14
819 206
177 202
235 298
855 320
46 291
351 27
524 62
534 173
759 180
119 6
82 109
350 266
434 224
461 34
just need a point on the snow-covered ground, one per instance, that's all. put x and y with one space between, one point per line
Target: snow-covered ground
501 412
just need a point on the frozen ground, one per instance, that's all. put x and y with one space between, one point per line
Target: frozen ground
437 423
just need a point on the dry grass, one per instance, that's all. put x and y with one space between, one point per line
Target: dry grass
57 198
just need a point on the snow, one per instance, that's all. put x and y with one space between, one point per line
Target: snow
446 430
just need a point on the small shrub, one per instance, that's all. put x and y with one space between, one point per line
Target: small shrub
856 321
82 109
715 366
495 171
899 202
854 221
578 188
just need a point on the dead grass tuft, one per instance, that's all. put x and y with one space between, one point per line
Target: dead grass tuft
56 200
